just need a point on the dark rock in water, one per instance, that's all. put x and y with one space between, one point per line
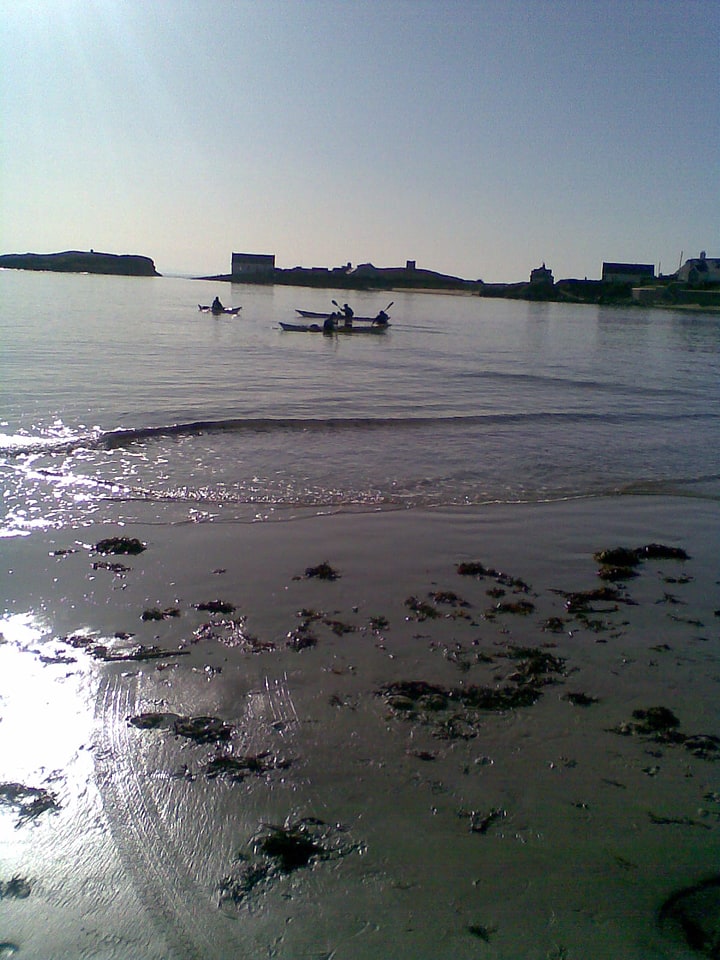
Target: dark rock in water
121 545
692 916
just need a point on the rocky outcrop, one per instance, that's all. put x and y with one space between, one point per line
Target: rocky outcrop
78 261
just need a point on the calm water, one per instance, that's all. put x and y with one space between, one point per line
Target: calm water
117 392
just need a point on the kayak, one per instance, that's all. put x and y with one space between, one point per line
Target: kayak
311 315
232 310
317 328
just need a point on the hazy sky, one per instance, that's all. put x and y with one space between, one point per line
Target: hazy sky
477 137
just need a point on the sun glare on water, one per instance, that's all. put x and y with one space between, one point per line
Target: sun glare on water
46 709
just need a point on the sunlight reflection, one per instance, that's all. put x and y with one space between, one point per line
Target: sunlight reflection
46 701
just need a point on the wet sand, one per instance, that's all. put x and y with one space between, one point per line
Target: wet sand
470 743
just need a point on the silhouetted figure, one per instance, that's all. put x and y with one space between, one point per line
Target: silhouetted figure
329 325
217 307
381 320
348 312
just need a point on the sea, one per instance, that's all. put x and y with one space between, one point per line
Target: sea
525 435
120 399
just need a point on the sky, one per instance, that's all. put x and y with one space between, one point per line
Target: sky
479 138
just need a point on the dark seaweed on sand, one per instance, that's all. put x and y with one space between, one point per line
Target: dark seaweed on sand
215 606
632 556
197 729
120 545
29 802
16 889
323 571
237 769
661 724
279 850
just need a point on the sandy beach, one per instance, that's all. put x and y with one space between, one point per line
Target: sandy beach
462 765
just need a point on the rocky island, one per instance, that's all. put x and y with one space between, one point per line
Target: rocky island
78 261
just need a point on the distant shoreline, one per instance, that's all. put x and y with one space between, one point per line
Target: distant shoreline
665 293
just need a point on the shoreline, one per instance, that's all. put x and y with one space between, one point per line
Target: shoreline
457 820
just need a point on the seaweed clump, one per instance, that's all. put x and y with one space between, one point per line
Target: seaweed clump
620 563
323 571
197 729
661 725
16 889
474 568
29 802
120 545
454 712
278 851
236 769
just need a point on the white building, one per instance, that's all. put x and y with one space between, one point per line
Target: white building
702 269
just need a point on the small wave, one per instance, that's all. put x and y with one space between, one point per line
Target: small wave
23 445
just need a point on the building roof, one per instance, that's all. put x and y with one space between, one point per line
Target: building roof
629 268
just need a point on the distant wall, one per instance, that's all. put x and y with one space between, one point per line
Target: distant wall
627 272
252 265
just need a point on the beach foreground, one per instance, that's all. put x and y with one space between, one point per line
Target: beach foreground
317 738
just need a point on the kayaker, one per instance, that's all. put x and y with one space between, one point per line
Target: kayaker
329 325
348 312
381 320
217 307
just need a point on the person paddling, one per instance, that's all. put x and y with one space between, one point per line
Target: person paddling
381 320
217 307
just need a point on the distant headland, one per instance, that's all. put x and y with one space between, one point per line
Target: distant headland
79 261
695 285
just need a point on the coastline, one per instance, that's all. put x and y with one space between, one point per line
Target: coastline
539 810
